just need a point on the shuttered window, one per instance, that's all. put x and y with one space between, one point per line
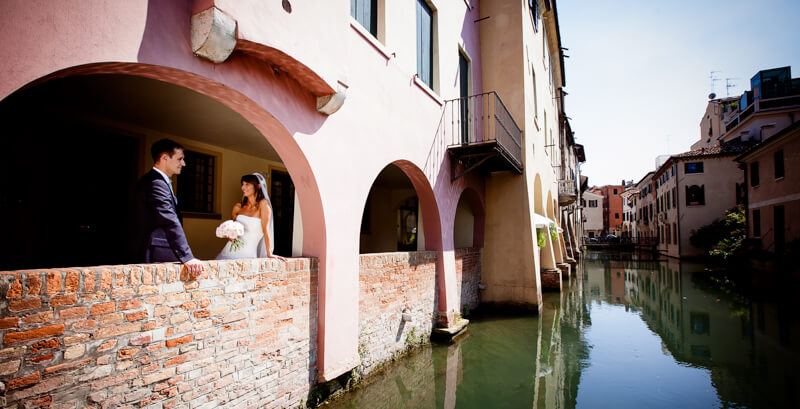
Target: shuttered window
366 12
425 43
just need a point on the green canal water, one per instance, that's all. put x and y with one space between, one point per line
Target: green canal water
623 334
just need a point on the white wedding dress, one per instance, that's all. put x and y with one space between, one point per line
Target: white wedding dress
253 240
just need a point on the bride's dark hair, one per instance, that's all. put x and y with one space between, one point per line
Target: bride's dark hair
253 180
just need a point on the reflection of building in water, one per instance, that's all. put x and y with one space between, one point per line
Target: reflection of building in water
702 326
562 348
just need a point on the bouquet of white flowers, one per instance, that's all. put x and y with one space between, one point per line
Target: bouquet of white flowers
231 230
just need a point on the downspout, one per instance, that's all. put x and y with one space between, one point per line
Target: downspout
743 167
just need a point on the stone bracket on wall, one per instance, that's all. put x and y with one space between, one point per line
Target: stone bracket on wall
214 37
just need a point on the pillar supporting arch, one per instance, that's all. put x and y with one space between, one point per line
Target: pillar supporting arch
435 240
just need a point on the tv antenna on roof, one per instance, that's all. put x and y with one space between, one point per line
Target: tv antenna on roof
728 85
712 78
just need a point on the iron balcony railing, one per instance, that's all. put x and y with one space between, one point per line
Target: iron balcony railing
480 119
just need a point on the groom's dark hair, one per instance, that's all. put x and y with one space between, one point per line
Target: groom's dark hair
163 146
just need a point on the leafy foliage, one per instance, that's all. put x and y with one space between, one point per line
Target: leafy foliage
541 237
722 238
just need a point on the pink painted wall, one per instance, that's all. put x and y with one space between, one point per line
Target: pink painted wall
387 118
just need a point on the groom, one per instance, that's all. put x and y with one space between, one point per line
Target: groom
160 235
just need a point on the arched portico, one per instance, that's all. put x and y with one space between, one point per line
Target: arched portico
469 219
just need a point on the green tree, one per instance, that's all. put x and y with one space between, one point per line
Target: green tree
722 238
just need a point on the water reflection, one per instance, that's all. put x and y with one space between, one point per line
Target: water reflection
624 333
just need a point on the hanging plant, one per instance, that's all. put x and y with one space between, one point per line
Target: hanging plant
541 237
553 232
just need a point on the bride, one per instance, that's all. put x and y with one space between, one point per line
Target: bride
255 214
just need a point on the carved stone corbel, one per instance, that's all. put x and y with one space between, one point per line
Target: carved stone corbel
213 35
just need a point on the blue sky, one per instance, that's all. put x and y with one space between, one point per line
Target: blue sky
638 71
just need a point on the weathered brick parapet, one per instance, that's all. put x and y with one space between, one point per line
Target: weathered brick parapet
390 283
468 276
242 335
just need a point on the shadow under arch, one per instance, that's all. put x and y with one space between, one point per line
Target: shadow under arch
427 204
478 208
270 128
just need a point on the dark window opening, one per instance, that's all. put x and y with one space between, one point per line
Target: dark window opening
195 187
756 223
778 156
366 12
754 179
695 195
425 43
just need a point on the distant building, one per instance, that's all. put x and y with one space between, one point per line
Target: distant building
773 191
692 189
612 208
593 212
712 125
629 200
644 207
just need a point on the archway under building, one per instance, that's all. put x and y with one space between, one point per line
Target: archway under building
392 218
75 145
469 221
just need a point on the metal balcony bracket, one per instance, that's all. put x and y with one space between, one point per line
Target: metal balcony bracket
469 162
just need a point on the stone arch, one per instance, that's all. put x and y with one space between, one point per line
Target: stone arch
549 203
470 218
267 125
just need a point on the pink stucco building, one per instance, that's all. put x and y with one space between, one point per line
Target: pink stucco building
365 117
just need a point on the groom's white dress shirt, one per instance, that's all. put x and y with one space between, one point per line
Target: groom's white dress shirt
169 182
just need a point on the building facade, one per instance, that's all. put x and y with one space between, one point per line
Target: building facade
348 109
773 192
593 213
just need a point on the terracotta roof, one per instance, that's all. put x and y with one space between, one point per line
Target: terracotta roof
729 149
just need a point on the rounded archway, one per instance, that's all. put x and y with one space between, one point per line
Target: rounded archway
76 142
469 223
400 212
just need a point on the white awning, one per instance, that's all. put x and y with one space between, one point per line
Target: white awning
541 222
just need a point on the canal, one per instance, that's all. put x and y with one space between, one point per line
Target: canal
624 333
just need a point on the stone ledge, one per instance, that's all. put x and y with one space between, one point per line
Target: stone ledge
447 334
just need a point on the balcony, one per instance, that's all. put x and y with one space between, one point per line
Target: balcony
760 105
567 192
482 135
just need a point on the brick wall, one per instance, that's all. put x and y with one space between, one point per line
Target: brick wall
243 335
468 276
388 283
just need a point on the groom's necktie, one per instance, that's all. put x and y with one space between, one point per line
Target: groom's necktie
172 190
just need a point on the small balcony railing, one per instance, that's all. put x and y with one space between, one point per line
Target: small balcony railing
481 131
567 192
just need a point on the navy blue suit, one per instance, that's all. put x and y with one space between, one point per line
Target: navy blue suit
160 236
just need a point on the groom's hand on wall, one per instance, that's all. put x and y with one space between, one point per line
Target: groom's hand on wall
195 267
